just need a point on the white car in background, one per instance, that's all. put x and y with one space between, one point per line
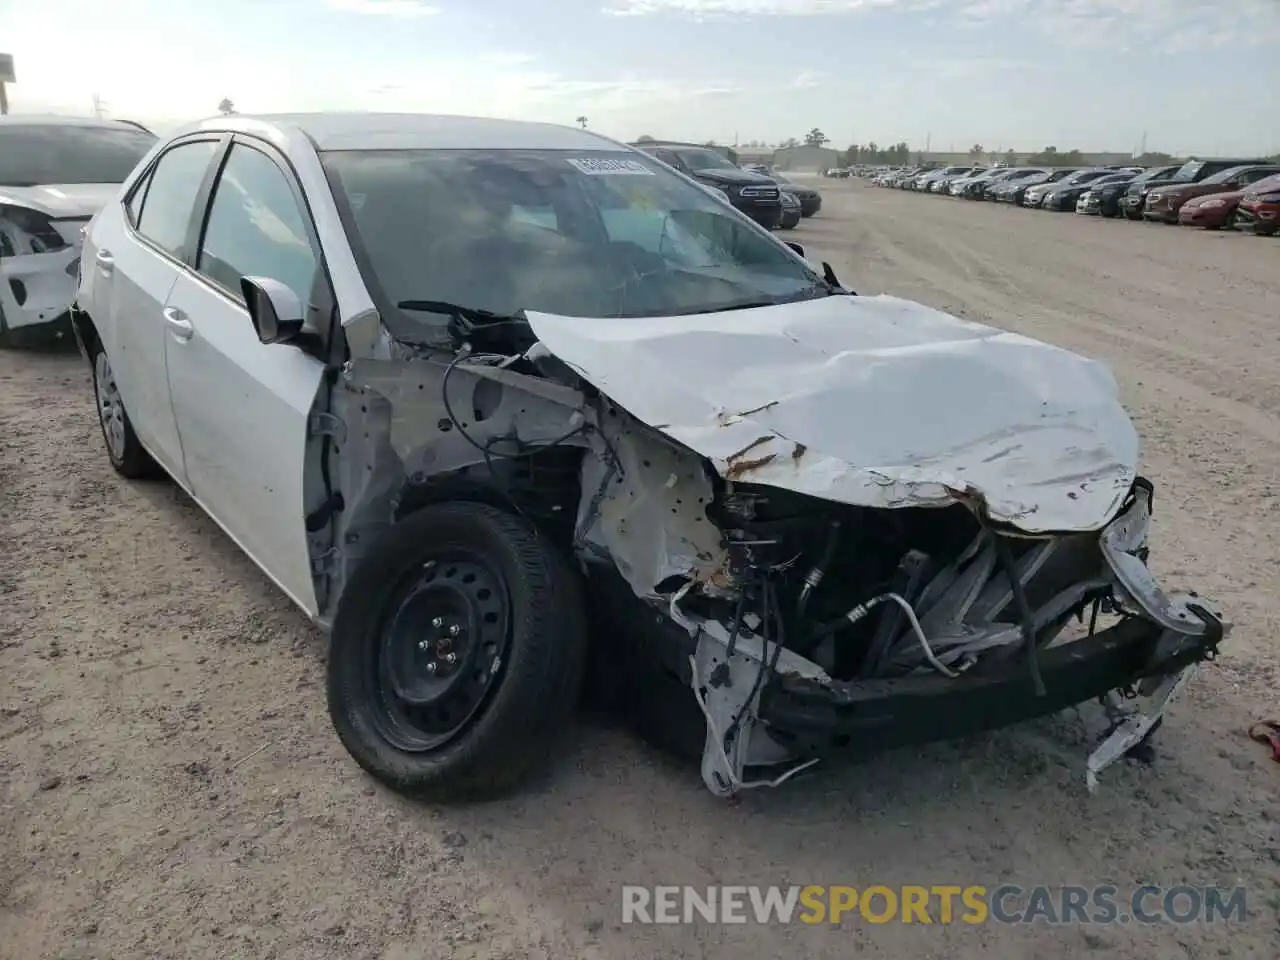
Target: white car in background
460 385
55 173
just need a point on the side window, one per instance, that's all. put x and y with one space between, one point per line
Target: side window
669 158
256 228
1253 176
175 181
134 204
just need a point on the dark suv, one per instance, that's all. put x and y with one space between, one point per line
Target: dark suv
752 193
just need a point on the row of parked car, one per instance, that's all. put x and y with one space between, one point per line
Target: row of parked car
1213 194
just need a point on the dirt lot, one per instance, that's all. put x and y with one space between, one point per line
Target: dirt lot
170 785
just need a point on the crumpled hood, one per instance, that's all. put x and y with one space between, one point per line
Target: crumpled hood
873 401
61 199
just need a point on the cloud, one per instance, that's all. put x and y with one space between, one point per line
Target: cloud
777 8
400 9
806 80
1182 24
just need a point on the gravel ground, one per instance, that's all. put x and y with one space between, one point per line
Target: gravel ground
170 785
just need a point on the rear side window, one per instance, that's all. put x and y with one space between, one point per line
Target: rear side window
256 227
171 194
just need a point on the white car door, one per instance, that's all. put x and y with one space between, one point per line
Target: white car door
138 257
242 407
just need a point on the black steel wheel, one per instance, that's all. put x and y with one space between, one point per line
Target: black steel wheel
457 652
440 651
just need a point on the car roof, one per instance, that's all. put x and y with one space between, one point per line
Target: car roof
55 120
408 131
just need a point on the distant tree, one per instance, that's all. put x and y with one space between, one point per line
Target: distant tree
851 155
1072 158
1010 158
1155 160
582 122
977 152
1048 157
710 143
900 154
644 138
790 142
226 107
816 138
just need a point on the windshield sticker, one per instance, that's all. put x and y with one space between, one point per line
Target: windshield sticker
595 166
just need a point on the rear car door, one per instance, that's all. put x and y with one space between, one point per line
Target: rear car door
138 268
242 407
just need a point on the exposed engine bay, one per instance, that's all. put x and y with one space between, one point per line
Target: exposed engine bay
949 589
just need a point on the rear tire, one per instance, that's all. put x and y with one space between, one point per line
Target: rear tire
474 727
127 455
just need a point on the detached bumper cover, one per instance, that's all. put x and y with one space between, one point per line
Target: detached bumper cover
37 288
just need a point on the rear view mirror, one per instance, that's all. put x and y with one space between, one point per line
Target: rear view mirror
274 309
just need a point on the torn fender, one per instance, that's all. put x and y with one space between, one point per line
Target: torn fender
872 401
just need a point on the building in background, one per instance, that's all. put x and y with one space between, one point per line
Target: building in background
806 159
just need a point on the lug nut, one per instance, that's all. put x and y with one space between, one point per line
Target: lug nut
437 622
431 667
454 630
450 658
424 645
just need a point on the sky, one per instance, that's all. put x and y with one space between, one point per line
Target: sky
1193 76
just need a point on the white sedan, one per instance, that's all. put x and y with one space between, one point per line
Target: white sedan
459 386
55 173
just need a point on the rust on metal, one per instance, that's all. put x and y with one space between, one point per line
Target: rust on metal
750 446
742 467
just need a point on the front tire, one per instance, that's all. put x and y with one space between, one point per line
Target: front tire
127 455
457 653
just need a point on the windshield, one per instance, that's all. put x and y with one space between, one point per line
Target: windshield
696 158
1188 171
32 154
1268 185
594 234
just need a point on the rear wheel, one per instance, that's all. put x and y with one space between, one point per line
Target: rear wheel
125 451
457 653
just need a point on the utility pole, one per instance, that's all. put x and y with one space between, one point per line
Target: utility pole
928 144
98 106
6 76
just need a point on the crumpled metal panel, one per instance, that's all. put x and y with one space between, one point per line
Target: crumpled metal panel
873 401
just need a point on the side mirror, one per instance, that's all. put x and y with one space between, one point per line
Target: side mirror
274 309
795 246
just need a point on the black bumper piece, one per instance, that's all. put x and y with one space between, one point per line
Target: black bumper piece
867 716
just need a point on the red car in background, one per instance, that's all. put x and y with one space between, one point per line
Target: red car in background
1259 210
1218 210
1164 201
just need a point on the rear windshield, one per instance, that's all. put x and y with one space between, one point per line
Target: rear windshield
1224 176
698 159
1188 171
33 154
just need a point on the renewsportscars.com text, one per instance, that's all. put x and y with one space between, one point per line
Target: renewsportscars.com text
936 904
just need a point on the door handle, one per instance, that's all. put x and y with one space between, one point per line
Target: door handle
178 323
105 260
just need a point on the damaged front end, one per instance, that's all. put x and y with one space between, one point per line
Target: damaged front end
968 629
963 575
